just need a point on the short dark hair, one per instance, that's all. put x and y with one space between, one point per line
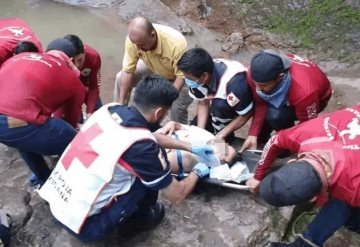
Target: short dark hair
76 42
196 61
25 46
153 91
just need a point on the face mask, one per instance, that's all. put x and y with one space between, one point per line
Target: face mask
191 83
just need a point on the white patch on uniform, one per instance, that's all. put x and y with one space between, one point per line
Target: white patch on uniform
162 159
85 72
232 99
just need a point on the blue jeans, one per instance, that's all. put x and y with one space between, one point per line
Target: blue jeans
134 203
33 141
331 217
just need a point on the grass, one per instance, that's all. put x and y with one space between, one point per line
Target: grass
322 24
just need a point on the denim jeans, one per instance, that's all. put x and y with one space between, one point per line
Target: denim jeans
134 203
331 217
33 141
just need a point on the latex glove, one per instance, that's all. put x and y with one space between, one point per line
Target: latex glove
203 150
201 169
253 184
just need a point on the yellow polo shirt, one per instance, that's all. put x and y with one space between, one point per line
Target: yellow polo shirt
162 61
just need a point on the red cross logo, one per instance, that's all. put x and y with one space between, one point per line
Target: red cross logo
230 97
80 147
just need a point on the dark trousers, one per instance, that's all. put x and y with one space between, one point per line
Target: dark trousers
34 141
331 217
277 119
134 204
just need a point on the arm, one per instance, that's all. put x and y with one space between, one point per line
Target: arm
178 190
234 125
126 84
93 90
278 142
127 77
171 143
72 107
179 83
203 113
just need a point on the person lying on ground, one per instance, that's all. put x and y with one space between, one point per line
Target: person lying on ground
183 161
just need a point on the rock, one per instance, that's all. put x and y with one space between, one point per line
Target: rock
233 43
185 29
90 3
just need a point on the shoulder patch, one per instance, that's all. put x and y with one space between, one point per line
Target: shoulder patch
85 72
232 99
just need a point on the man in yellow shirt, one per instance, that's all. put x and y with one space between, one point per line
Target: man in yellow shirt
153 48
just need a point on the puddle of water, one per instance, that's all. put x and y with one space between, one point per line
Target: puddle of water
101 29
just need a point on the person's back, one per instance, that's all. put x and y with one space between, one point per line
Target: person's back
35 85
12 32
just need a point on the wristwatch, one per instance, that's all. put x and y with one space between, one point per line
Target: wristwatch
197 172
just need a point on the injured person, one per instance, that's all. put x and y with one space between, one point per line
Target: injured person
225 163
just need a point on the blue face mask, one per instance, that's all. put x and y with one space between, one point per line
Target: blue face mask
191 83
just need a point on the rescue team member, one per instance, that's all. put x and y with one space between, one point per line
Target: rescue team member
153 48
220 86
16 37
285 89
327 167
122 167
40 84
88 61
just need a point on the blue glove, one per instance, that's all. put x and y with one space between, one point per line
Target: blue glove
203 150
201 170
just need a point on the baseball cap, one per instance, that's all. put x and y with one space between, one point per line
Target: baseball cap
291 184
267 64
63 45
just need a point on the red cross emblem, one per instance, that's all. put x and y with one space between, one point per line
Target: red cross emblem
80 147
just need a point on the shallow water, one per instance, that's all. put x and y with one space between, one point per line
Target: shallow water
101 29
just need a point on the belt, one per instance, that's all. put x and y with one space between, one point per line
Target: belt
14 122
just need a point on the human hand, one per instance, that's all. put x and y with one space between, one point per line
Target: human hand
201 170
203 150
249 143
169 128
253 184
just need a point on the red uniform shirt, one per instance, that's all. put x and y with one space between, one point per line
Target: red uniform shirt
12 32
34 85
335 137
91 77
309 92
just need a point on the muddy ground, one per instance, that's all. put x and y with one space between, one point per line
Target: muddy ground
211 216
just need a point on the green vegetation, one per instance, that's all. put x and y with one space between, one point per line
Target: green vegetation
326 25
309 25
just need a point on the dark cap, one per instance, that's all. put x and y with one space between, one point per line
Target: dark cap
266 65
291 184
63 45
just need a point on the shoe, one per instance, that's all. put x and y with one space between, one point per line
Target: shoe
35 181
147 221
297 243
